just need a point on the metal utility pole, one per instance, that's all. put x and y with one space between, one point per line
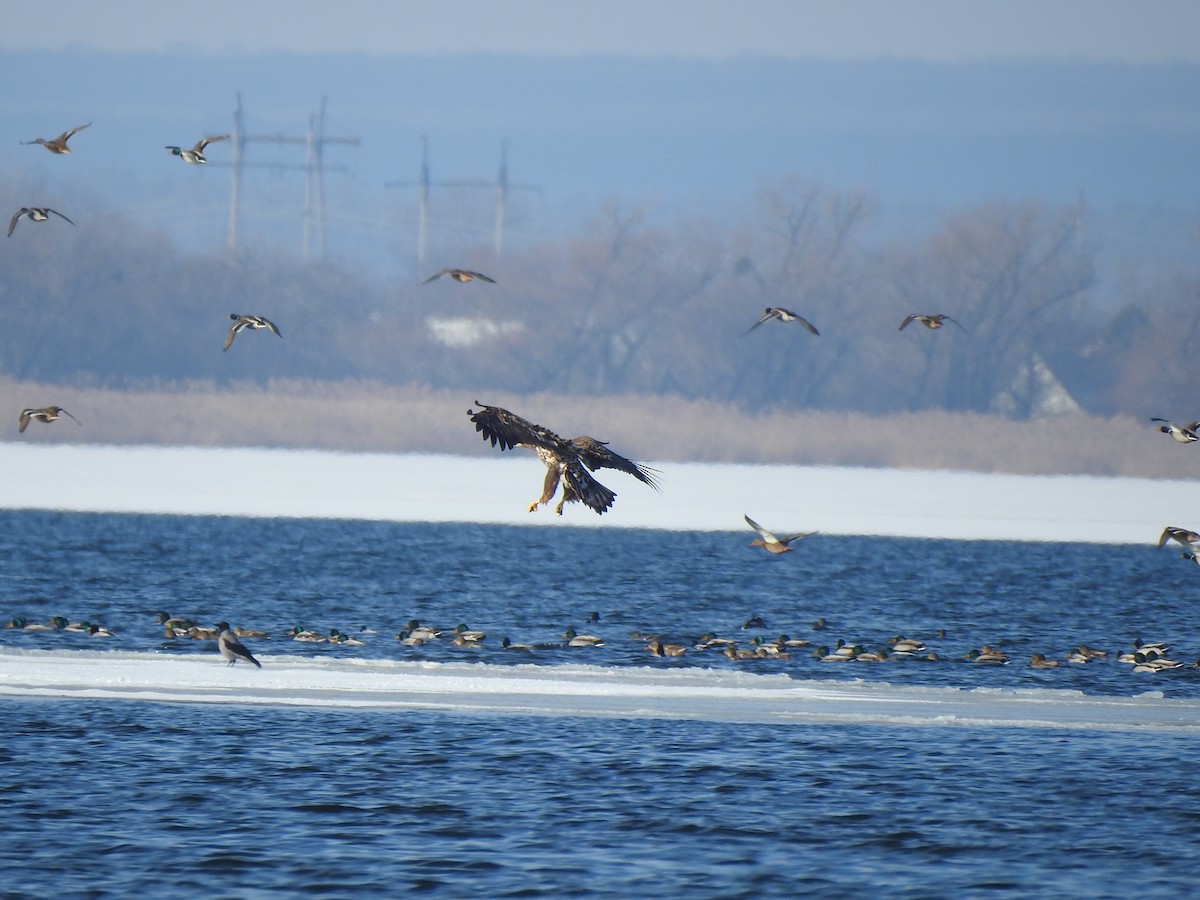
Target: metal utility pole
237 138
502 187
314 168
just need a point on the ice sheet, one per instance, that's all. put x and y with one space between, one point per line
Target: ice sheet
255 482
715 695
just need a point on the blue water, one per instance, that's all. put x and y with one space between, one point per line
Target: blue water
106 798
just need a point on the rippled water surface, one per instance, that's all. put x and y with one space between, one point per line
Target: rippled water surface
107 798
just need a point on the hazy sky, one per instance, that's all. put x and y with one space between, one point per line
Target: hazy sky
1142 31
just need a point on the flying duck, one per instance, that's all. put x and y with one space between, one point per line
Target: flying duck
46 414
231 648
772 543
34 214
241 323
783 315
196 154
1183 434
568 462
58 144
460 275
1181 535
932 322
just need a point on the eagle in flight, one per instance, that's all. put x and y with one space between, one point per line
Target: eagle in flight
568 462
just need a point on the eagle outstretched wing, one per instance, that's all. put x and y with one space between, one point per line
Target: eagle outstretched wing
507 430
595 455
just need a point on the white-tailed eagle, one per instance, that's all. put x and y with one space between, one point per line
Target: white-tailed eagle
568 462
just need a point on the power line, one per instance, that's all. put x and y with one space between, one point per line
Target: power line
502 186
314 167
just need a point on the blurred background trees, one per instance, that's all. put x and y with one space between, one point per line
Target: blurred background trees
627 306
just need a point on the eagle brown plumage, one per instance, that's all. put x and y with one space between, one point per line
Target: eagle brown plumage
568 462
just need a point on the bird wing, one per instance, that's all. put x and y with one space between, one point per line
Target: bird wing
807 324
796 537
481 277
233 330
204 142
60 215
67 135
23 421
270 325
907 321
956 322
436 276
766 535
578 484
507 430
595 455
12 223
769 314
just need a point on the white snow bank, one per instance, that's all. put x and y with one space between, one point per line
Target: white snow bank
497 489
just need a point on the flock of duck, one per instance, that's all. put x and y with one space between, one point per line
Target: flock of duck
424 639
569 466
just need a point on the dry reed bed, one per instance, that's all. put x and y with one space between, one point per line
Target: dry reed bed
372 417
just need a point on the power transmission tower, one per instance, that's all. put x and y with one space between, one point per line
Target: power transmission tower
314 169
502 187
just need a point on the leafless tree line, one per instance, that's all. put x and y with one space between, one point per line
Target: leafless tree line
628 306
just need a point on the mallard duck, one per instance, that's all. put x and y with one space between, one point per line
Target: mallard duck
783 315
772 543
574 639
34 214
901 644
509 645
460 275
1183 434
196 154
340 637
306 635
1039 661
231 648
463 633
822 653
658 648
568 462
709 639
986 654
254 323
735 652
249 632
879 655
58 144
202 633
933 322
421 632
1180 535
45 414
95 630
169 621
